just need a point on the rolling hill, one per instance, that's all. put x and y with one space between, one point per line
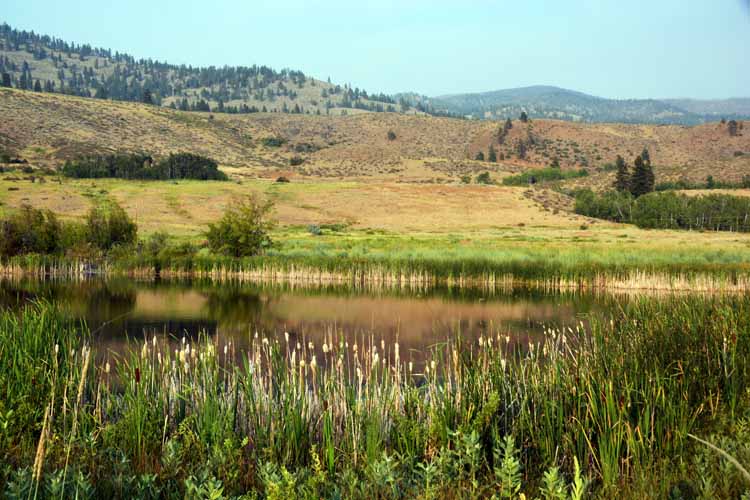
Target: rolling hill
43 63
563 104
47 128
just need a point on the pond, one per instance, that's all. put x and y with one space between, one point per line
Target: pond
120 310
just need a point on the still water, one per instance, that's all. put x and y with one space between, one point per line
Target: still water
118 310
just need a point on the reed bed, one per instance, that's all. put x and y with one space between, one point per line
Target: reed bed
590 413
406 274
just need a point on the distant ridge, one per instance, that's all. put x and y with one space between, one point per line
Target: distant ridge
544 101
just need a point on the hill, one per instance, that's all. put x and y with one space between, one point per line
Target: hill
47 129
44 63
563 104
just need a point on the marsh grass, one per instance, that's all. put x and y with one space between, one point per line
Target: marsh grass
577 412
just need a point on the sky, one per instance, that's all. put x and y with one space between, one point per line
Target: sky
610 48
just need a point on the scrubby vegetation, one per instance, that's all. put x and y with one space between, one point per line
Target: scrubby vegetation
542 175
33 231
666 210
243 229
142 166
581 413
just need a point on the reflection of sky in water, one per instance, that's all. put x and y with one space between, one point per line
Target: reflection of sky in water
119 309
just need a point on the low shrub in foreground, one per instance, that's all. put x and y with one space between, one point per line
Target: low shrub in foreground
578 414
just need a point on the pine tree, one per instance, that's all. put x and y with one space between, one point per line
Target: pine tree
5 80
492 155
480 156
642 180
147 97
524 117
646 157
37 86
622 178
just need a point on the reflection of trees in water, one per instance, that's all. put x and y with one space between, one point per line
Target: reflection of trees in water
237 306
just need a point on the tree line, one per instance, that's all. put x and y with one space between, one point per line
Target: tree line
143 166
668 210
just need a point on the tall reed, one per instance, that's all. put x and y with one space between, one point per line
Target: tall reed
359 417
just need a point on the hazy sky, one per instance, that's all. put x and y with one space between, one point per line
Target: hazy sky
612 48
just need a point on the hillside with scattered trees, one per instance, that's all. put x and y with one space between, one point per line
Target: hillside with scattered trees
41 63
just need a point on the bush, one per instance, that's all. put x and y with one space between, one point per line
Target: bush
30 231
282 180
243 229
391 135
296 160
273 142
484 178
109 225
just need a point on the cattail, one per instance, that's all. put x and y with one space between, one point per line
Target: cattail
286 337
106 368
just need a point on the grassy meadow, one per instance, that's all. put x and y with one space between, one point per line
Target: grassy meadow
353 227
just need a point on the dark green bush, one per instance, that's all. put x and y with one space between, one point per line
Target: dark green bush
484 178
30 231
273 142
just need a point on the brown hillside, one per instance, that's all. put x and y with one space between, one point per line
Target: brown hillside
49 128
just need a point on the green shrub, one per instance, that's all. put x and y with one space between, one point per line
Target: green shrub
243 229
30 231
108 225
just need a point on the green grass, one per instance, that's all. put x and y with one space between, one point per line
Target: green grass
583 413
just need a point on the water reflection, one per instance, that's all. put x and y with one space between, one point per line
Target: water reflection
120 309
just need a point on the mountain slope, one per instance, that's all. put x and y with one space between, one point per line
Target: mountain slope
43 63
47 129
558 103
